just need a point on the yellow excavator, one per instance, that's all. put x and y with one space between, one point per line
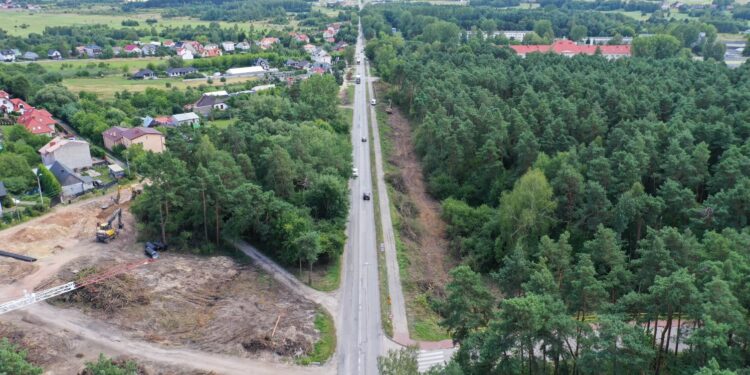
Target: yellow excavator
106 232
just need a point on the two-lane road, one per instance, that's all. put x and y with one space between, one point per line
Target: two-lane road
360 333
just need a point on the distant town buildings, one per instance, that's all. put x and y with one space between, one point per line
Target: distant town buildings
568 48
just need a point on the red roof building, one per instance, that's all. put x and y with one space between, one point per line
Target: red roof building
20 106
568 48
38 121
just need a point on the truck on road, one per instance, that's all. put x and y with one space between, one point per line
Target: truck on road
358 78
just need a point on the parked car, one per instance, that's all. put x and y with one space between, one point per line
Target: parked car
373 102
366 196
355 172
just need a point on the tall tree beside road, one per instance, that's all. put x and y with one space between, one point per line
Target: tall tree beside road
468 305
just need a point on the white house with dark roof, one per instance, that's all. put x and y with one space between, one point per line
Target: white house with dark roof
74 154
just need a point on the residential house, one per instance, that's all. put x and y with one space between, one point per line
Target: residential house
302 64
189 118
210 50
7 55
340 46
268 42
568 48
144 74
74 154
299 37
151 139
151 122
132 49
3 194
180 72
227 46
73 184
20 106
149 49
208 103
168 43
38 121
184 53
30 56
329 33
54 54
243 46
116 51
194 47
6 105
309 48
318 68
92 50
321 56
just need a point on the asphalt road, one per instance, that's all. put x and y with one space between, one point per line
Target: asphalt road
360 332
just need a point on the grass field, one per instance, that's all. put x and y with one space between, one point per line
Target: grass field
37 21
107 86
634 14
221 124
132 64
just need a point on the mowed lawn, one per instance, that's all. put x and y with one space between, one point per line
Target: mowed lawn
106 87
132 64
38 20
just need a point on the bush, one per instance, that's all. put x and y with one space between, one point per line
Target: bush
106 366
129 23
13 361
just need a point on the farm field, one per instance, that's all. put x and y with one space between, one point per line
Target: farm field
107 86
37 21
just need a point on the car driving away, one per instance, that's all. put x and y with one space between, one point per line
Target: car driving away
366 196
355 172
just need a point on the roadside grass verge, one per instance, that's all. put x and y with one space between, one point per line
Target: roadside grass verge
385 297
326 345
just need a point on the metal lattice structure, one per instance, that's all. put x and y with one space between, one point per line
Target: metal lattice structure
32 298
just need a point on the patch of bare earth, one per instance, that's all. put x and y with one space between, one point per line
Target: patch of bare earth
210 304
62 352
422 228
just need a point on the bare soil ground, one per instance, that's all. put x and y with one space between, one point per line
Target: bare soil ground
210 304
427 231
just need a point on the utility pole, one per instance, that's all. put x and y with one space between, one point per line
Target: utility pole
39 185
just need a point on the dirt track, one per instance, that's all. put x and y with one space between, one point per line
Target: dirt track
195 313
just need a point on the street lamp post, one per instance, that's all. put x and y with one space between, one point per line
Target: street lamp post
39 185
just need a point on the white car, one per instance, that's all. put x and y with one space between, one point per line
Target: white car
373 102
355 172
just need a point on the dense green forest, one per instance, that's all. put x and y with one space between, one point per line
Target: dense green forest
418 21
225 10
277 177
594 194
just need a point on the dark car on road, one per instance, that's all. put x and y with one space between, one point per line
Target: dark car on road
366 196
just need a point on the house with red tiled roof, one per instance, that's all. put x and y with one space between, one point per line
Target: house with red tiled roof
211 50
151 139
132 48
568 48
6 106
268 42
303 38
38 121
20 106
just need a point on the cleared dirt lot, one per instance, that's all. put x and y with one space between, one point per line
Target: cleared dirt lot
200 304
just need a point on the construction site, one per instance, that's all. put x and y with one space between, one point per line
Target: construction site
88 287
